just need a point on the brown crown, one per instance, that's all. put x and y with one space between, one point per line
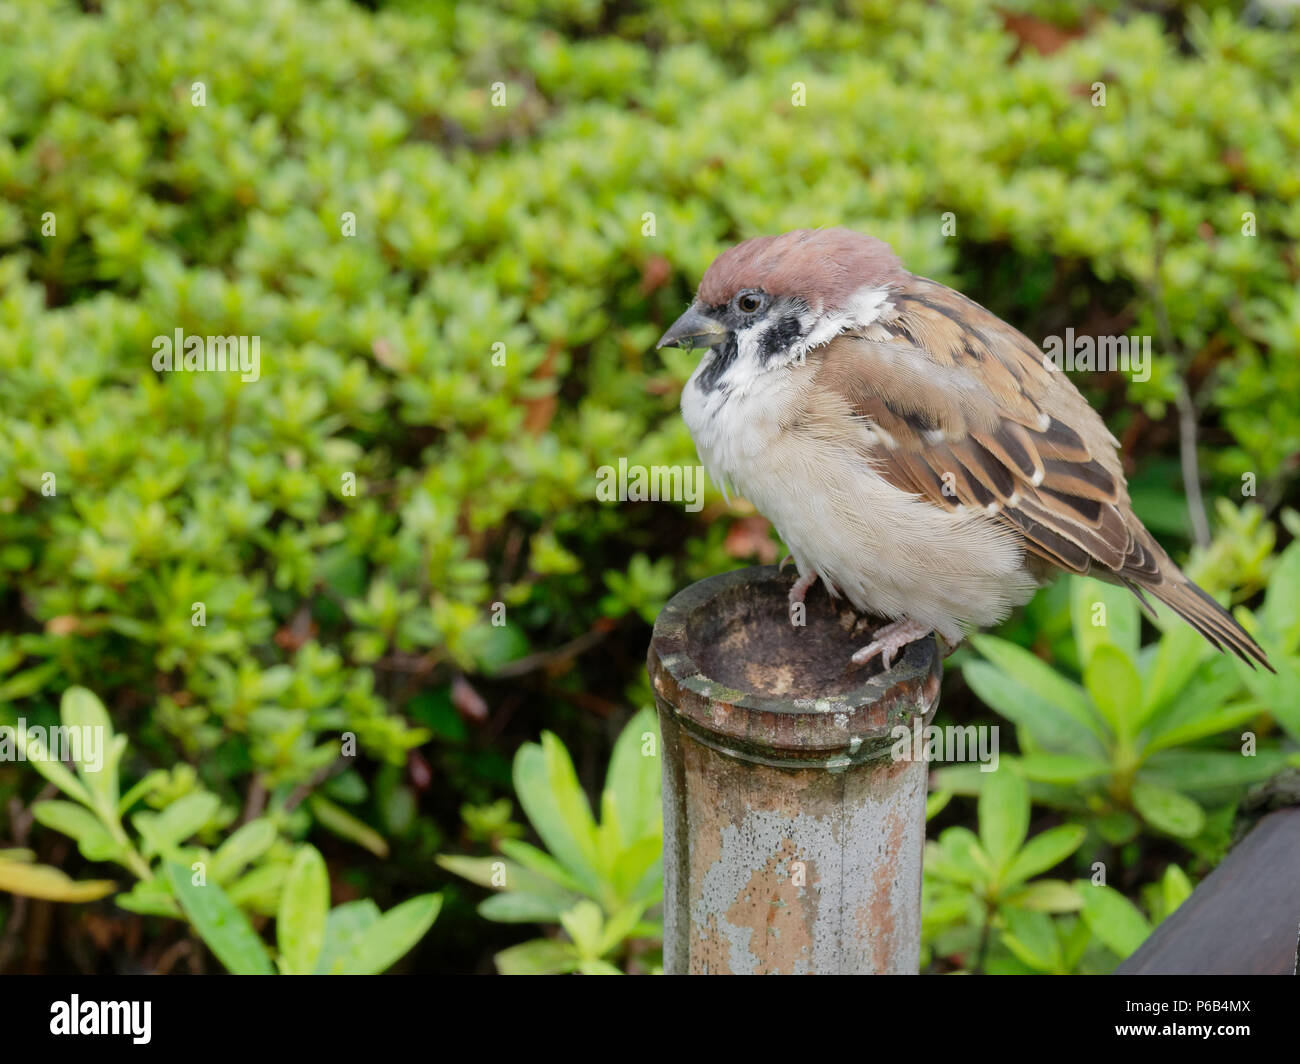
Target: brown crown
824 267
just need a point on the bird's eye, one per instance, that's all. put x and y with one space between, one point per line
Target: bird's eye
749 302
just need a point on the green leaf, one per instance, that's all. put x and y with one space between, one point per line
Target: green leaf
1169 811
304 906
26 683
480 870
32 749
935 803
77 822
552 799
85 715
1118 827
339 821
1214 684
259 889
953 856
621 925
1044 851
151 782
52 884
637 872
1178 655
944 907
540 863
1028 691
609 835
1113 918
1281 612
1116 689
1076 936
584 923
1050 727
521 907
965 780
1212 723
244 846
633 779
1103 615
497 874
1046 895
345 927
1061 768
1279 692
1031 936
1003 816
1195 771
540 956
1175 888
150 897
390 938
220 924
163 832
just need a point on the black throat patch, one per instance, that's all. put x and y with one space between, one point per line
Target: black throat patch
719 358
779 337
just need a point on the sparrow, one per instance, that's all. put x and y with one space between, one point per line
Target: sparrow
917 454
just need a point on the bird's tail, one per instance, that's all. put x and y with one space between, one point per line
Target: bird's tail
1199 610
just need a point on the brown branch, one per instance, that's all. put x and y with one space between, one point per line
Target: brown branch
1187 415
543 658
1187 419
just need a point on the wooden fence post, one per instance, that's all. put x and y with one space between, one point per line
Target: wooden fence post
1242 919
792 839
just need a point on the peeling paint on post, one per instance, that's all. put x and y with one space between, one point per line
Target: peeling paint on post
792 840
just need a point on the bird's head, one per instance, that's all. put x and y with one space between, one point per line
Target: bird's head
765 303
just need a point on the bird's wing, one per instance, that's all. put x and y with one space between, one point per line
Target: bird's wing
965 414
964 411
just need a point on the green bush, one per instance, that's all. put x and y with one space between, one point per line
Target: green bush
391 538
599 879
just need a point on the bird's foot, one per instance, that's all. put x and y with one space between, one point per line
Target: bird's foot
787 558
799 590
889 640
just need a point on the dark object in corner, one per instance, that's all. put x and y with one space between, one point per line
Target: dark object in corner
1244 919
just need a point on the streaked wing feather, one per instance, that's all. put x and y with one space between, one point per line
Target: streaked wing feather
964 411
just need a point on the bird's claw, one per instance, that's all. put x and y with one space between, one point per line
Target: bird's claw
889 640
800 589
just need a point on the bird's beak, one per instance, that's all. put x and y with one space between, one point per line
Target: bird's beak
693 329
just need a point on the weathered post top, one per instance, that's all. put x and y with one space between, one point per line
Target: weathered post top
792 839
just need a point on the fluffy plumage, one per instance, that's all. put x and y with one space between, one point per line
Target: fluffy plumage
913 450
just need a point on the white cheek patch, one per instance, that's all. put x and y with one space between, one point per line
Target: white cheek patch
747 347
748 364
864 307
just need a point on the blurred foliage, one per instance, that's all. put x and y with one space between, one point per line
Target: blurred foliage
598 879
370 661
1156 741
252 870
1127 742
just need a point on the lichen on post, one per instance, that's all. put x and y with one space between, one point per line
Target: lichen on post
792 839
